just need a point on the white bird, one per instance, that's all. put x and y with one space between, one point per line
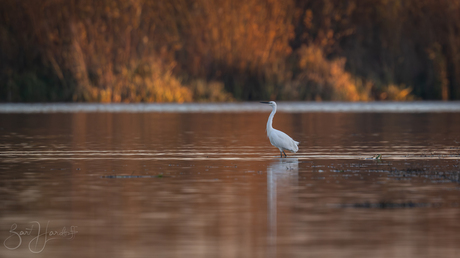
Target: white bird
277 138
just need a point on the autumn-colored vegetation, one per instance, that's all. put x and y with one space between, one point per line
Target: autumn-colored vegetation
220 50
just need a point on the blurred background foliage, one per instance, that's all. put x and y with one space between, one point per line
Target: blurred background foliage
222 50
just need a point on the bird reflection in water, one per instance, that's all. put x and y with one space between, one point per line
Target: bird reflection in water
282 174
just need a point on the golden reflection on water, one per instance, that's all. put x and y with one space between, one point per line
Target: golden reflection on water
210 185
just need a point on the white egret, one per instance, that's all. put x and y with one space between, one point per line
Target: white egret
277 138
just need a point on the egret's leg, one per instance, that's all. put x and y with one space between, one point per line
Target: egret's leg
284 154
281 154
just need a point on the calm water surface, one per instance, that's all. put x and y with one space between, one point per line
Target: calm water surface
211 185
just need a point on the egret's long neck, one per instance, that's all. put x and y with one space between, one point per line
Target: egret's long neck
270 120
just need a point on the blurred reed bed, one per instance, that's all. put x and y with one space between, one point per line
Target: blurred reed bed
224 50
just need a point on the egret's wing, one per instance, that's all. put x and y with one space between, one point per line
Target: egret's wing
281 140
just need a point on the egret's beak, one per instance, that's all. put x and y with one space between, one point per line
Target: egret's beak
265 102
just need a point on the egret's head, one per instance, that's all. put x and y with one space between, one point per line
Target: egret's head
271 103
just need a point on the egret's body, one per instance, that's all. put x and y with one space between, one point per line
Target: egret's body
277 138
